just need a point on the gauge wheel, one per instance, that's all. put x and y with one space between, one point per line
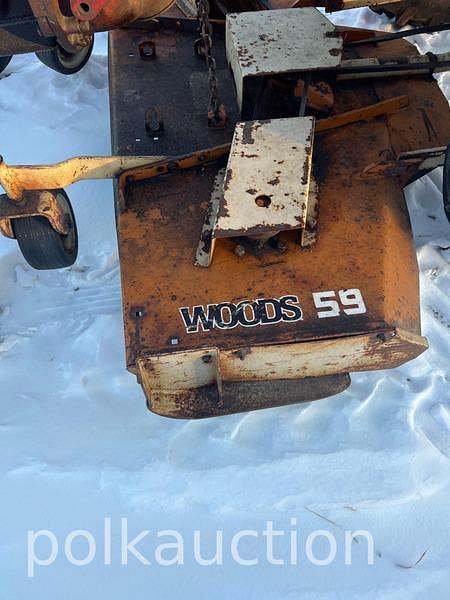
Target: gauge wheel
43 247
66 63
4 62
446 184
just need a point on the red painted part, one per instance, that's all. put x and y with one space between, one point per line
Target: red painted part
87 10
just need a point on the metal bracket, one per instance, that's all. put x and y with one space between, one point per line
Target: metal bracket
266 186
367 68
29 188
272 42
168 165
267 180
16 179
205 250
365 113
34 203
414 164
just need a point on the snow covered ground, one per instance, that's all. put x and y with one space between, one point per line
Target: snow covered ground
77 445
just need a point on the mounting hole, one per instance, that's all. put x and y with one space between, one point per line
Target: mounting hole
85 8
263 201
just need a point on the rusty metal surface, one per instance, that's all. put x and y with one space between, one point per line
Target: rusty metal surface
166 167
364 236
180 371
54 23
19 31
242 396
11 44
362 114
210 382
116 13
280 41
364 239
417 11
169 378
386 68
334 5
87 10
409 165
264 192
425 124
206 243
73 30
16 179
177 74
381 350
309 233
33 203
320 95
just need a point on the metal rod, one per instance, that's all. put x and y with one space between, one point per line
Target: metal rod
395 68
332 5
302 111
399 35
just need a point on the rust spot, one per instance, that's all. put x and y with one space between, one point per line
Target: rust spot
228 178
247 133
242 353
305 175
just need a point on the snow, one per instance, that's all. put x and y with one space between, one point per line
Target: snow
77 445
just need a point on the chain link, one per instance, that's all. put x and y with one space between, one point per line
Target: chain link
206 33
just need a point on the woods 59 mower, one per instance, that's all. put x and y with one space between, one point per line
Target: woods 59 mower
260 155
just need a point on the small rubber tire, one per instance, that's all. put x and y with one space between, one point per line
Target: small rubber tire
446 183
66 63
43 247
4 62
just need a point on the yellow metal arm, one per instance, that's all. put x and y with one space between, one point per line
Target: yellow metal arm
16 179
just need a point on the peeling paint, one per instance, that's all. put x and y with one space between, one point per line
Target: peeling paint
283 181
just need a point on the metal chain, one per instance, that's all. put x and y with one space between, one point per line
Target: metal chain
207 43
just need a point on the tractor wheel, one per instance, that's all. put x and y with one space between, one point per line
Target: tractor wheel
66 63
43 247
4 62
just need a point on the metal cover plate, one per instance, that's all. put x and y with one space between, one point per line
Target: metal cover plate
280 41
267 180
